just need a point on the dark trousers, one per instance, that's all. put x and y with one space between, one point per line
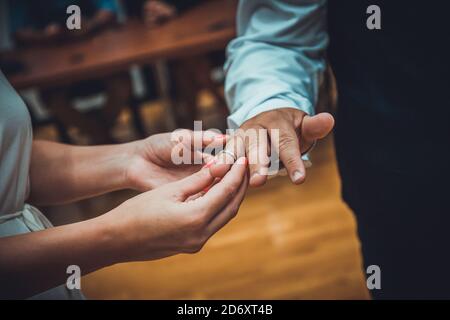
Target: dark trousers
403 217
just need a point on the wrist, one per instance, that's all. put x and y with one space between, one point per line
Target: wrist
132 166
125 156
111 239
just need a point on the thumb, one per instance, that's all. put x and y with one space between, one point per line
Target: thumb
193 184
316 127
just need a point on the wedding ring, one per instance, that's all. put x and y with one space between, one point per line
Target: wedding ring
310 148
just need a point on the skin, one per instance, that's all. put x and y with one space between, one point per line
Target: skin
297 133
158 12
177 217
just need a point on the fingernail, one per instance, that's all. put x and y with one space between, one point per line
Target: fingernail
297 175
254 175
210 163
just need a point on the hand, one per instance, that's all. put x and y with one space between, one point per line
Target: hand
151 165
297 133
178 217
157 12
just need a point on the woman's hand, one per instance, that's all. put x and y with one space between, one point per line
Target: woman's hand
178 217
151 165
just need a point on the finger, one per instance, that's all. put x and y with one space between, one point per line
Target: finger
193 184
288 147
229 212
202 193
208 159
213 138
256 144
198 139
314 128
219 169
212 141
225 160
222 192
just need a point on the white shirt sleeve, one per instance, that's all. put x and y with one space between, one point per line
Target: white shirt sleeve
277 59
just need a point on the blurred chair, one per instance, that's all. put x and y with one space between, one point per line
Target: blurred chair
93 105
191 76
187 76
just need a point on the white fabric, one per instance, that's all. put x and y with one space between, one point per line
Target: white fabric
17 217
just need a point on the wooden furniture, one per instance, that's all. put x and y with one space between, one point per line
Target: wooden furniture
202 29
198 31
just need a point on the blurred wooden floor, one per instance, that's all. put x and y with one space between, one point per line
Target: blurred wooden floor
287 242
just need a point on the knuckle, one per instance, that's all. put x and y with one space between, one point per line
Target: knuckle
192 223
286 141
185 132
229 188
234 210
235 186
196 244
290 161
183 135
197 221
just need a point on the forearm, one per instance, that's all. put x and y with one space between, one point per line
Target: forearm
34 262
61 173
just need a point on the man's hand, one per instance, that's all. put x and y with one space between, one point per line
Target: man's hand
297 133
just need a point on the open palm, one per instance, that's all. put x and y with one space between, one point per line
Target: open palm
152 164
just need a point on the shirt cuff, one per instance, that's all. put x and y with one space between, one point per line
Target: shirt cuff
237 118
